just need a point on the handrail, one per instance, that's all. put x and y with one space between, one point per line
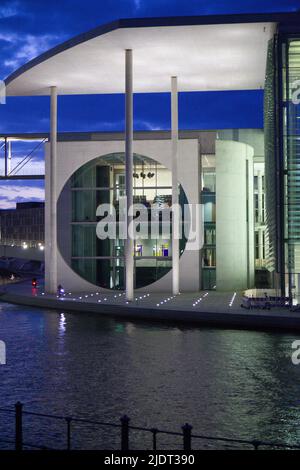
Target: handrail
30 154
125 427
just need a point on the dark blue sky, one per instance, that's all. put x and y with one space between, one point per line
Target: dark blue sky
29 27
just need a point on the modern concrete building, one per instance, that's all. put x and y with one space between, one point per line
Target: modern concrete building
250 211
24 225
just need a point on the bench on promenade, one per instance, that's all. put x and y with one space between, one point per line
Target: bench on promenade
265 303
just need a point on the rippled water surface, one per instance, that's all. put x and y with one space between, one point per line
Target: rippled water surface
224 382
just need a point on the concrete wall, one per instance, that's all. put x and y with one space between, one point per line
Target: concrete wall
72 155
253 137
234 216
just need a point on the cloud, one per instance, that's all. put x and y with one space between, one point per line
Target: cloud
10 194
141 124
36 166
7 37
27 47
137 4
31 168
9 9
119 125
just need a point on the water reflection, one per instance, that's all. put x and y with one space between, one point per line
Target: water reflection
227 383
62 324
130 328
119 328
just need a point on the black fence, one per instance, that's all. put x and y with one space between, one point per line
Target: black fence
186 435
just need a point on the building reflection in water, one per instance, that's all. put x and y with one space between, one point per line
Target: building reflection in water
62 325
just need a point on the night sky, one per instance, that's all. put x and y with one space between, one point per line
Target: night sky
30 27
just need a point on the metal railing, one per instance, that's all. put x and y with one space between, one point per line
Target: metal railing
17 151
26 159
124 427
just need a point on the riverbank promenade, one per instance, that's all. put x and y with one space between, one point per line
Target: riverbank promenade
209 308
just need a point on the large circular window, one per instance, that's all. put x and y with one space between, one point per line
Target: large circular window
100 181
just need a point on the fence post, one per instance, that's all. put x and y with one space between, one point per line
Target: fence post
256 444
19 426
187 437
154 438
68 420
125 433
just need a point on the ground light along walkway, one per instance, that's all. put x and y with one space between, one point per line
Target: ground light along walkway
218 309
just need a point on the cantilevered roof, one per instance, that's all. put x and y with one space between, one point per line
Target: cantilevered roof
206 53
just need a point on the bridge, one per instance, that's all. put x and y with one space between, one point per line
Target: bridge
17 151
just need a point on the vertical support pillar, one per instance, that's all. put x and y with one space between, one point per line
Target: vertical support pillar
53 182
187 437
175 191
18 426
129 242
9 157
260 245
125 433
260 215
260 196
235 216
250 217
5 156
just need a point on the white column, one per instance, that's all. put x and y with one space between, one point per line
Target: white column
260 214
9 143
175 191
250 204
53 177
260 244
260 196
129 243
234 233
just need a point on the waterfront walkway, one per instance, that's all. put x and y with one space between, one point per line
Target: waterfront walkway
221 309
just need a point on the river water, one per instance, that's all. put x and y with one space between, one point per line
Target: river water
227 383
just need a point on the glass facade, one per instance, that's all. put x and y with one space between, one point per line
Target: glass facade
291 161
208 199
102 181
282 130
260 228
101 262
271 162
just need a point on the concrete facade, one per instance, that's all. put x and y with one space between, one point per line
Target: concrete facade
234 216
235 257
73 155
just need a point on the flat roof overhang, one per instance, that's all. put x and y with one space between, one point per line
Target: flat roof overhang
207 53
